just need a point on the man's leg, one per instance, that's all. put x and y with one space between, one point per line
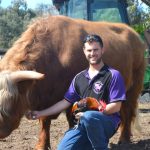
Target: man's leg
75 139
99 129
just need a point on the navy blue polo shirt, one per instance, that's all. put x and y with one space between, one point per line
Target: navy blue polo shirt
108 85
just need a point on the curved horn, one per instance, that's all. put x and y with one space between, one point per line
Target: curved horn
26 75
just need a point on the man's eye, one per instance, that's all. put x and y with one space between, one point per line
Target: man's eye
89 50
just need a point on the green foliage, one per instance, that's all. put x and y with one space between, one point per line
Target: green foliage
137 12
139 17
140 28
13 21
15 18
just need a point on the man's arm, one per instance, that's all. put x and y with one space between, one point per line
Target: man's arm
55 109
112 108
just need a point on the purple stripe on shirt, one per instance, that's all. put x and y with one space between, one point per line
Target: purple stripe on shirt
71 95
117 87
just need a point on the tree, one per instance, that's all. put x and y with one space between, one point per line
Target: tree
147 2
13 21
139 16
44 9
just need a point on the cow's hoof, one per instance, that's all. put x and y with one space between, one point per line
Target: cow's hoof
124 142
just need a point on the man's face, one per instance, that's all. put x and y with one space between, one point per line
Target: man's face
93 52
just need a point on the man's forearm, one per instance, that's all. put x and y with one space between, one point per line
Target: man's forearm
55 109
112 108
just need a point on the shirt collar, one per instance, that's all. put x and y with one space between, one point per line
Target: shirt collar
101 71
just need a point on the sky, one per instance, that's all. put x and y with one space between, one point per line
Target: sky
31 3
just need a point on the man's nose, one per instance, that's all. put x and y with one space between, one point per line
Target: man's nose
92 52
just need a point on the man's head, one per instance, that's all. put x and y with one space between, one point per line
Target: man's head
93 38
93 49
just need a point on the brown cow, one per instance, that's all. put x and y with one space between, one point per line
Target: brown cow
53 46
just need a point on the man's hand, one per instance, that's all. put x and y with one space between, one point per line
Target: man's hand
32 115
78 115
88 103
53 110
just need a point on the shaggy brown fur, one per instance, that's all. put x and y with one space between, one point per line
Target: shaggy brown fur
53 46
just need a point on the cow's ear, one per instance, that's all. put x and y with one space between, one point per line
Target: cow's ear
25 75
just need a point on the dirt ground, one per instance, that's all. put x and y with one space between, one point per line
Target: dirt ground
26 136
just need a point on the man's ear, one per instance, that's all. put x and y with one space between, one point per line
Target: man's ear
84 50
102 50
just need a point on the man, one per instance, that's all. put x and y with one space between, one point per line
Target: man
101 82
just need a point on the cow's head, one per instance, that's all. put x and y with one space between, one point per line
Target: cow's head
12 102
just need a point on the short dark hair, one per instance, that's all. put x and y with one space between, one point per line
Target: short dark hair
93 38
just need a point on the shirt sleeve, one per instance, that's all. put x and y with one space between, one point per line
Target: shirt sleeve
71 95
117 87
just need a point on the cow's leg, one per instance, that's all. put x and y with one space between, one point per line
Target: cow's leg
129 108
128 116
44 136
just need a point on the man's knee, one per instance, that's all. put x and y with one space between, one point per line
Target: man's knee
89 116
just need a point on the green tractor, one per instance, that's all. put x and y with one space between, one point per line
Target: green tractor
103 10
94 10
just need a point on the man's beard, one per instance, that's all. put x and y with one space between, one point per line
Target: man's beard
98 61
